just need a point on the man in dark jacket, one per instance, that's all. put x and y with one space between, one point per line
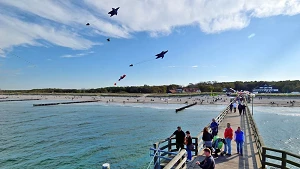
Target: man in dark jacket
180 136
231 106
208 162
240 107
244 108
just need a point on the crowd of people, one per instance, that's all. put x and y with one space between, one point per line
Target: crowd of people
237 105
212 142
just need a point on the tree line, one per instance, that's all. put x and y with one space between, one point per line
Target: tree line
210 86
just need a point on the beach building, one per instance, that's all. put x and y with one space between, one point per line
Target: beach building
265 89
191 90
179 90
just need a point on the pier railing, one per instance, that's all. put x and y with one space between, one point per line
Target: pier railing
178 162
265 158
165 151
284 158
259 143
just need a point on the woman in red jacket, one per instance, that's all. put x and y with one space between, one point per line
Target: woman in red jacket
228 135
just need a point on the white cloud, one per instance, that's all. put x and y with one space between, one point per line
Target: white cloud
17 32
195 66
251 36
211 16
62 22
77 55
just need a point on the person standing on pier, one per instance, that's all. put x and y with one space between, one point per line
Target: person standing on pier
228 134
231 106
234 106
214 127
207 138
208 162
180 137
189 145
240 107
239 138
244 108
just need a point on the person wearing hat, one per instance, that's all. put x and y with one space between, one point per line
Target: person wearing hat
180 137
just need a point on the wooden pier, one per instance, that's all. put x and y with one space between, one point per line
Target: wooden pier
54 104
184 107
256 154
18 100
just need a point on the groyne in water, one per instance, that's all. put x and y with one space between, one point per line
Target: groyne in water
184 107
18 100
58 103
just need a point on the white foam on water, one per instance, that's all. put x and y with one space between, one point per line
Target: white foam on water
288 114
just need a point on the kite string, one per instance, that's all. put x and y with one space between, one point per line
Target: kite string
25 60
143 61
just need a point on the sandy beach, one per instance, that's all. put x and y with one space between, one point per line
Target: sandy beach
201 100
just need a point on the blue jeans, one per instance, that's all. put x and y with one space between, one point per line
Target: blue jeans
239 147
227 146
189 153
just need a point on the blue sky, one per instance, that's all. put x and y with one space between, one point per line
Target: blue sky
46 44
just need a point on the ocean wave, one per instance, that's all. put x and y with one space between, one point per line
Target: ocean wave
289 114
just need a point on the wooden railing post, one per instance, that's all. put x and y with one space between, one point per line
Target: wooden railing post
263 161
196 147
283 163
156 164
170 145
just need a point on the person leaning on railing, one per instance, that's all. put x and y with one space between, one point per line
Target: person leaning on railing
214 127
180 137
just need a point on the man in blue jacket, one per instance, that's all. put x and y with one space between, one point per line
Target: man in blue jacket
240 139
214 127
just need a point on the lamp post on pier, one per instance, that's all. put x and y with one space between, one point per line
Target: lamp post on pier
252 100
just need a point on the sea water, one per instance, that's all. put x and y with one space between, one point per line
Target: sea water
88 135
279 128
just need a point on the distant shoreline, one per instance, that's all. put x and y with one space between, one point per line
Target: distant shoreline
215 94
269 101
